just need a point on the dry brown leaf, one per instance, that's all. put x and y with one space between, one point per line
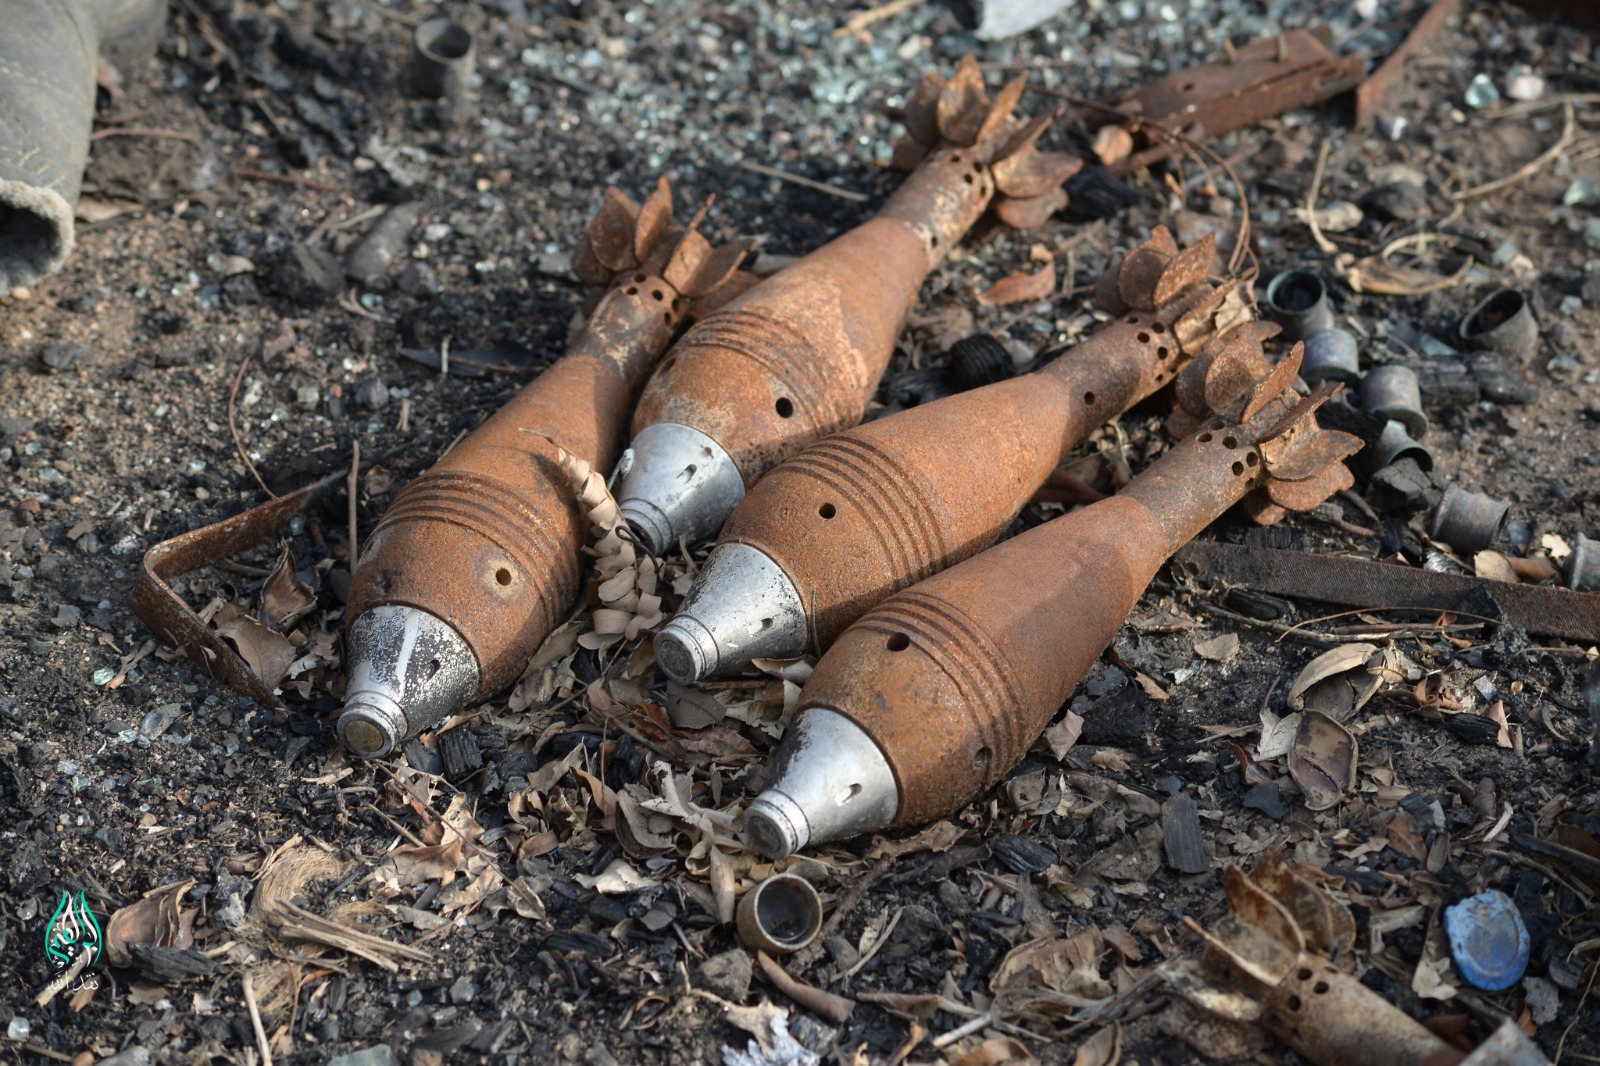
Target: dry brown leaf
157 919
285 599
1020 287
1055 963
1102 1049
1110 759
1338 682
1323 760
1492 566
998 1051
940 836
1112 144
1219 649
1062 735
269 655
1497 714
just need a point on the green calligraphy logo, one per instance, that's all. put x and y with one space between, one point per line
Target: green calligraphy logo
72 931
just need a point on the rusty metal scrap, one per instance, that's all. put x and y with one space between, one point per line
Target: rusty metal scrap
1270 965
1263 78
170 618
1368 583
954 678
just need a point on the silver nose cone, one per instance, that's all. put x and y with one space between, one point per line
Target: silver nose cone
408 671
741 607
680 483
832 781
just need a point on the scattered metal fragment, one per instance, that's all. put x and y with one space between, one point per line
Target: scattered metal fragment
980 360
1392 392
479 559
1263 78
1395 444
444 57
796 358
1366 583
1298 301
937 692
874 509
780 915
1488 940
1582 568
171 619
48 57
1331 355
1467 521
1372 93
1501 322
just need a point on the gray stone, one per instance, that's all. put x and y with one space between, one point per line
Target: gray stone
307 276
376 1055
60 356
727 975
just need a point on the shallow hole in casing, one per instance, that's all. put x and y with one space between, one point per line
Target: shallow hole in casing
502 576
1320 988
784 407
980 760
1159 327
1252 459
1204 438
1144 337
848 794
766 624
432 670
1088 398
1304 974
1162 353
827 510
898 642
688 471
1294 1003
1238 469
1230 442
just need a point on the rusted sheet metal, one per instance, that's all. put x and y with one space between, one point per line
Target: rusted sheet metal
1375 90
797 357
171 619
864 513
489 539
955 677
1264 78
1367 583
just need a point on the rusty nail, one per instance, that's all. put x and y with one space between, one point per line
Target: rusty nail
1582 570
1467 521
1298 301
780 915
1392 392
443 58
980 360
1501 322
1331 355
1395 443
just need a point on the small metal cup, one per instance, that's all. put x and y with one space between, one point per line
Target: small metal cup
1502 322
443 60
780 916
1298 301
1330 355
1394 444
1467 521
1582 569
1392 392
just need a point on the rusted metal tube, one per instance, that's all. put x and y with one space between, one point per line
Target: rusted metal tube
1467 521
797 357
477 560
954 678
875 509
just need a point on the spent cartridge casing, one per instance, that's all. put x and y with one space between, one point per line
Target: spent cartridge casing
478 559
955 677
797 357
875 509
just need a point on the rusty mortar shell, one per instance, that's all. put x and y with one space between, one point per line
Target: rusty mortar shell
1331 355
874 509
1394 444
478 559
1467 521
952 679
1501 322
1582 568
1298 301
444 57
797 357
780 915
1392 392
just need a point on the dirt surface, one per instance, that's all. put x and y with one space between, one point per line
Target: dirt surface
267 137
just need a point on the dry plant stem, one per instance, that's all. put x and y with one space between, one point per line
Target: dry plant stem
255 1020
56 984
233 428
351 486
1568 131
144 131
874 15
825 1005
1326 245
796 179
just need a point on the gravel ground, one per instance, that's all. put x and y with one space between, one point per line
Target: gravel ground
267 136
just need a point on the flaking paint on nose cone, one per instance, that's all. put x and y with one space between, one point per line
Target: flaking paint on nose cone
679 483
741 607
409 670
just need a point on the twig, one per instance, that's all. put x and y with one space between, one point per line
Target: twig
873 15
233 427
255 1020
351 488
144 131
1326 245
877 945
963 1030
826 1005
62 980
784 175
252 174
1568 130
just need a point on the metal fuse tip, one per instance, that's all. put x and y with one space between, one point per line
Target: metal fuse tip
831 781
741 607
679 483
408 671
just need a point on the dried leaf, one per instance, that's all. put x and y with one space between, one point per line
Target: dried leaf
268 654
1277 735
1062 735
156 919
996 1052
1492 566
1338 682
617 879
1112 144
1323 760
1055 963
1102 1049
1020 287
285 599
1219 649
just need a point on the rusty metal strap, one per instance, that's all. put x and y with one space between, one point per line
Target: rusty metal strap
166 613
1351 582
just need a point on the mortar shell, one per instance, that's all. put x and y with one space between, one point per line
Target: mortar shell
1331 355
444 57
1467 521
1298 301
1394 444
1501 322
1392 392
780 915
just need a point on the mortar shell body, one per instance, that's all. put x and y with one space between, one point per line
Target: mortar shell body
863 514
955 677
489 538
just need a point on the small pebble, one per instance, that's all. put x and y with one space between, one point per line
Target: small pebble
60 356
1481 92
1393 127
1523 84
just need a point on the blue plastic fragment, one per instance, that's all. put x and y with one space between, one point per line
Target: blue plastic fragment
1488 940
